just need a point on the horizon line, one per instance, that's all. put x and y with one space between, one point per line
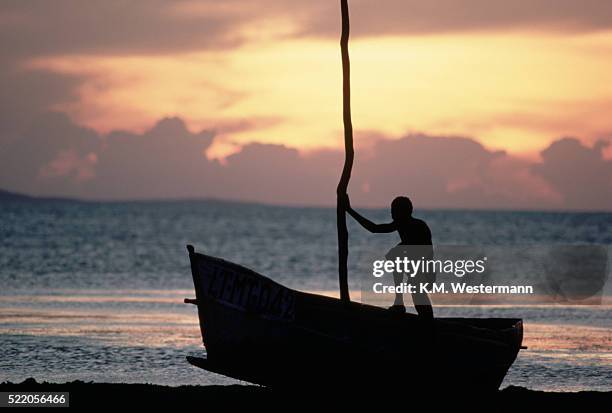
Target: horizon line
9 196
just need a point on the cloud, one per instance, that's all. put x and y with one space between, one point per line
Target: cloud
70 163
166 161
57 157
443 171
398 17
27 93
580 174
279 174
48 155
34 28
54 156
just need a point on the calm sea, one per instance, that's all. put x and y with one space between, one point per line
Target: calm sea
93 291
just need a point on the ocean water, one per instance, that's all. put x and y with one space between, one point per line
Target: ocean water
93 291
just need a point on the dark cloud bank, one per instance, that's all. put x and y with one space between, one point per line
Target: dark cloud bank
59 27
54 156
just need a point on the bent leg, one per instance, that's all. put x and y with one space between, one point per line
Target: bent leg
422 303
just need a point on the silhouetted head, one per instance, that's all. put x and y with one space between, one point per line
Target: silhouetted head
401 208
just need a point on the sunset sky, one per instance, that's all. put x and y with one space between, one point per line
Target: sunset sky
510 76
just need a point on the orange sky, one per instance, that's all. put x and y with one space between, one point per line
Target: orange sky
515 90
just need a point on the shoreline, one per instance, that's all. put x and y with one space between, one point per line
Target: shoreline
88 394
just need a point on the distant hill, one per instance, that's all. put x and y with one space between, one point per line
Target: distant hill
8 196
13 196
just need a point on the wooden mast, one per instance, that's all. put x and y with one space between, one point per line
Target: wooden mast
348 156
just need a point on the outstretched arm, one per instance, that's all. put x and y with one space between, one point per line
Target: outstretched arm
366 223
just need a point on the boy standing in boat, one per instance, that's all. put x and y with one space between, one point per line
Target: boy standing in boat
413 233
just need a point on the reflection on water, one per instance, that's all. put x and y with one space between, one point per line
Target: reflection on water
144 335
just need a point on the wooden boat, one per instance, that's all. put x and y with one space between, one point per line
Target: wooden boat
259 331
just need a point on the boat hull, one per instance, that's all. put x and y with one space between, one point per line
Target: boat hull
259 331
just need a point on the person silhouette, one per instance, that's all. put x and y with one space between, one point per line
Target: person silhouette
415 234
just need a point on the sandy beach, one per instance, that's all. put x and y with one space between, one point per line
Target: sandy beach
89 394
